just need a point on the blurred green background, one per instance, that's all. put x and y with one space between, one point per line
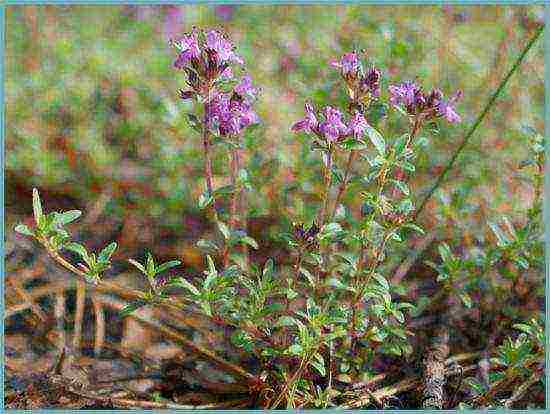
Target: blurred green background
94 121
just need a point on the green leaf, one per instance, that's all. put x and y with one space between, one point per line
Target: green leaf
403 187
295 349
168 265
211 265
445 252
414 227
243 340
382 280
36 206
286 321
131 307
208 280
194 122
205 306
181 282
107 252
466 299
207 245
67 217
330 230
23 229
205 200
352 144
521 262
319 364
399 144
151 271
406 206
399 316
523 327
338 284
268 269
224 230
78 249
400 110
308 276
407 166
502 240
377 140
250 241
139 266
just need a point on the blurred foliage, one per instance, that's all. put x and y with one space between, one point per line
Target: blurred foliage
92 102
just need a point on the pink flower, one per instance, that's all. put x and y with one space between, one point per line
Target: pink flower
308 123
217 42
348 63
189 47
357 125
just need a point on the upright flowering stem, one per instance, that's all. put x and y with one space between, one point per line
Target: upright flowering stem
206 147
417 125
327 181
234 168
344 184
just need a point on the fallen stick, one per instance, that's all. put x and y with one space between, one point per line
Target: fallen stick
175 336
404 385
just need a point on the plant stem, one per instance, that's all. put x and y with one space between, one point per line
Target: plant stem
478 121
206 144
234 168
344 183
327 181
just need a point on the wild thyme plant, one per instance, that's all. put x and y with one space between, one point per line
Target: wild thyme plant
498 278
323 319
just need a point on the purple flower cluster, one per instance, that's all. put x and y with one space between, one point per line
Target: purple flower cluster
205 57
348 64
230 113
331 127
412 98
360 85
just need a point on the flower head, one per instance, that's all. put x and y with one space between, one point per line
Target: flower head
407 94
189 49
207 57
307 238
357 125
348 64
230 114
309 123
216 41
333 127
245 89
371 82
416 102
447 110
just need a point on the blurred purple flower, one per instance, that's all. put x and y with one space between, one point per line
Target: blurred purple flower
245 89
348 63
173 21
225 11
189 47
308 123
357 124
224 48
371 82
406 94
446 108
410 95
230 116
332 128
